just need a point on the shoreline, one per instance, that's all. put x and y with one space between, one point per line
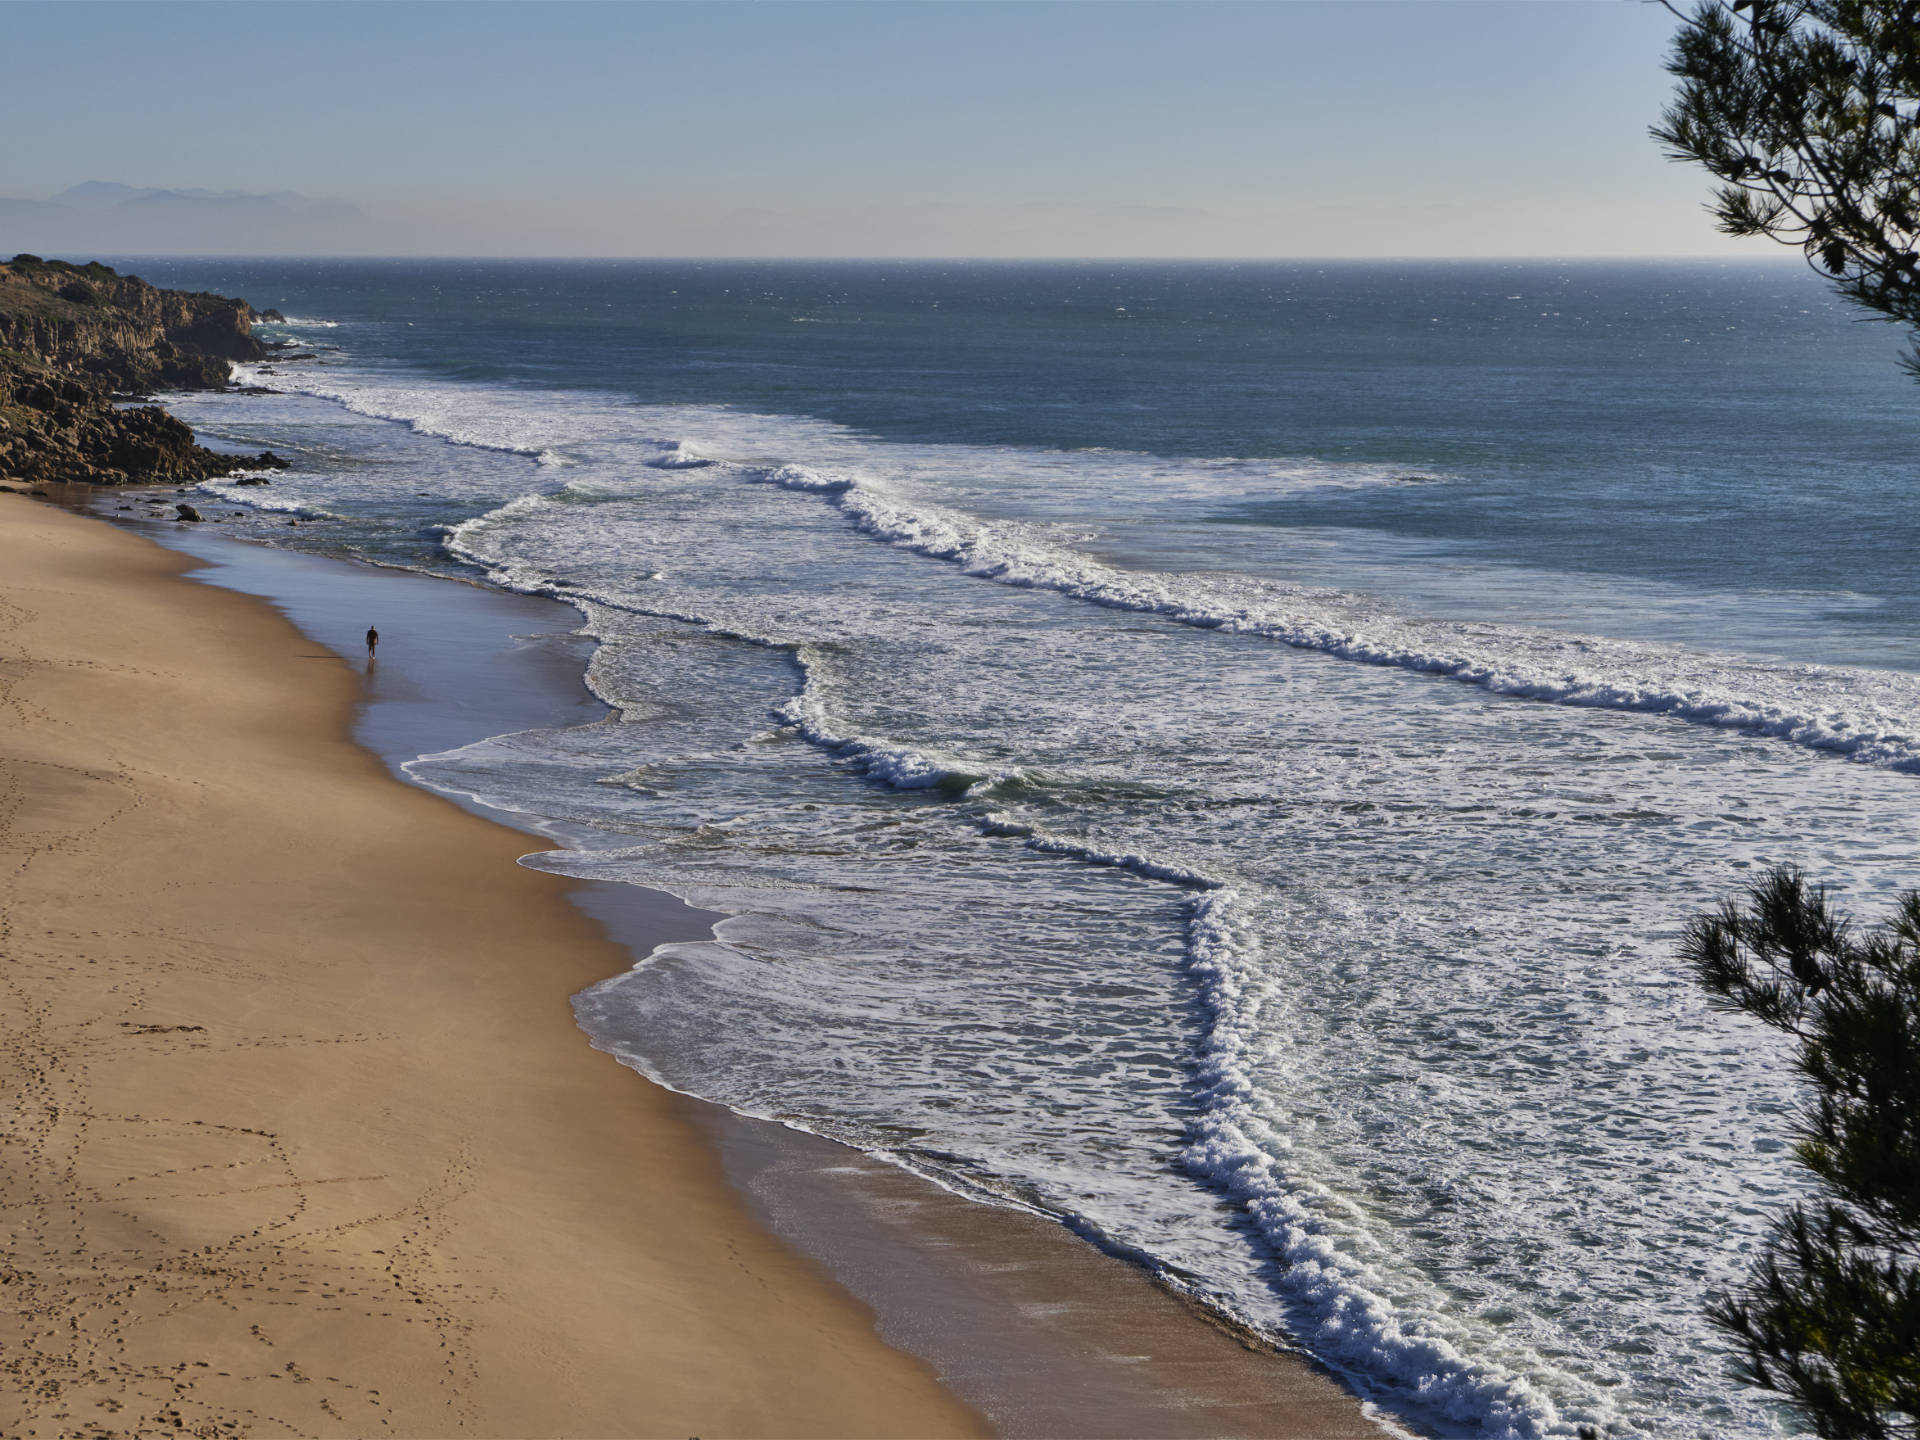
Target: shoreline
1029 1324
307 1140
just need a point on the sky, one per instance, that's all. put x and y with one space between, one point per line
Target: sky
983 128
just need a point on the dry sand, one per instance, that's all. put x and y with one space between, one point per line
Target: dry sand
302 1138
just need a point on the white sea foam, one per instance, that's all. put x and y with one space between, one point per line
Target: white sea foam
680 457
261 497
1868 716
540 423
1337 1307
1873 717
469 416
900 766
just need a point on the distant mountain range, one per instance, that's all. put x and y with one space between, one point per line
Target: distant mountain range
104 218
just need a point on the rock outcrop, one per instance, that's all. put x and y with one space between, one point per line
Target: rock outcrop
76 338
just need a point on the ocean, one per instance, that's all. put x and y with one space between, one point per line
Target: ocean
1217 754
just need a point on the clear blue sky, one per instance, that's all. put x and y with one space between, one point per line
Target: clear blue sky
1370 127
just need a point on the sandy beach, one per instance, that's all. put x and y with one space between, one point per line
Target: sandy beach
304 1139
307 1141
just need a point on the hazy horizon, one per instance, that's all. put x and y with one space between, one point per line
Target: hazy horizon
1744 260
844 130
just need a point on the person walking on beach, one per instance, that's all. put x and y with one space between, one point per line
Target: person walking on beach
373 643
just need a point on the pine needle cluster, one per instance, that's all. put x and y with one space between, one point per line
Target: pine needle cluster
1808 112
1830 1316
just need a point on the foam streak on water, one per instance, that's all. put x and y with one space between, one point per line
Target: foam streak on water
1208 910
1863 715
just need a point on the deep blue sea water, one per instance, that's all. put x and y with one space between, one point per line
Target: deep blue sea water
1217 753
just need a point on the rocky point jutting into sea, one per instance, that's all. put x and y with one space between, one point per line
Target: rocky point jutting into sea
75 339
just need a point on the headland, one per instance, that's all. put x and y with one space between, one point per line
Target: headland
78 343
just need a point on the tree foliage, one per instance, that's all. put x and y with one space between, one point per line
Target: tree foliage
1808 112
1830 1316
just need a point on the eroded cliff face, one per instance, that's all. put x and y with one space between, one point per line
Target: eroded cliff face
73 337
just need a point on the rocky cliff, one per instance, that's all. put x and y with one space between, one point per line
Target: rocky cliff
76 338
